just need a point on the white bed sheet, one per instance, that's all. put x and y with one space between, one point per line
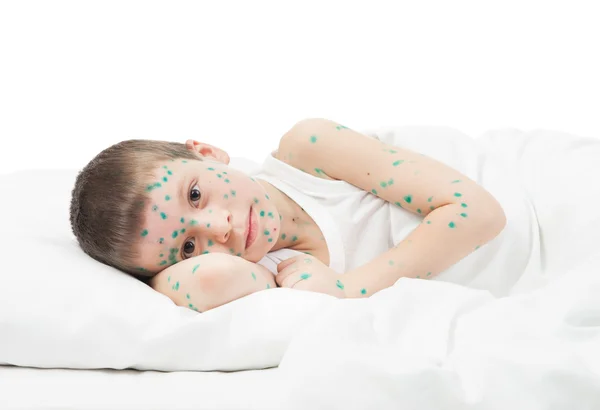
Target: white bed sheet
26 388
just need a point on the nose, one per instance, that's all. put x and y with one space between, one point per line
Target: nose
215 224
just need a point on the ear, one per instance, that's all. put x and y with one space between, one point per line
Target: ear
207 150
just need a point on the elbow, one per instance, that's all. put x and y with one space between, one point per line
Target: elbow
496 218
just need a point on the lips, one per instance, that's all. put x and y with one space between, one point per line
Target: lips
252 229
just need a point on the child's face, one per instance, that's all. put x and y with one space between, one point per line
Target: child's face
201 207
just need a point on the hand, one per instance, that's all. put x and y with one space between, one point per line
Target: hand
305 272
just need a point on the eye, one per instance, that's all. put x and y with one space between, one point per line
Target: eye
188 248
195 193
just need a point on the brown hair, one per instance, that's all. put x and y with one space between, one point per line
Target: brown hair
109 195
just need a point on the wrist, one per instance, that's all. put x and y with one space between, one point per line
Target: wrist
352 289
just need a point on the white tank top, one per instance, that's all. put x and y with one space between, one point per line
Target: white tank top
358 226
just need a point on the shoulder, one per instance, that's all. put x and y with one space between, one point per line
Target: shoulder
294 143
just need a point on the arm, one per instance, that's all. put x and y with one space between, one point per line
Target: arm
210 280
459 215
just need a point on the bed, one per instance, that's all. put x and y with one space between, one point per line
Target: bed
75 334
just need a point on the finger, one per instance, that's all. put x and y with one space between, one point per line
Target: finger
281 266
285 275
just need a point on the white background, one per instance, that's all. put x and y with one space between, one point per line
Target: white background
78 76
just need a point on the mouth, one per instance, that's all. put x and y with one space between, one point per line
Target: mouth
250 229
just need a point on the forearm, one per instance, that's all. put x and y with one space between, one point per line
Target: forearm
207 281
441 240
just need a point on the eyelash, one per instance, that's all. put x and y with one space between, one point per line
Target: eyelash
194 185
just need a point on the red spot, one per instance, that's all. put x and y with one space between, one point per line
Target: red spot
274 229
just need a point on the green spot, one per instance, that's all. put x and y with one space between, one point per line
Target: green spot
193 222
253 276
208 225
226 196
227 180
374 191
432 208
155 208
220 176
210 242
161 240
391 262
463 205
319 171
339 284
451 225
457 194
182 231
262 213
396 163
313 139
294 238
144 232
363 291
464 215
477 247
270 214
163 215
429 199
169 172
167 197
176 287
161 255
383 184
184 161
174 234
232 192
190 305
391 181
270 240
255 200
454 182
169 278
267 196
187 295
210 169
268 286
305 276
205 252
408 198
165 179
182 220
428 222
418 276
266 232
153 186
283 236
165 167
419 210
398 204
428 273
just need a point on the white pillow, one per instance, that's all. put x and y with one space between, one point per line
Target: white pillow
61 308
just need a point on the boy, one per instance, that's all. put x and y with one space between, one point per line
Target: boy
179 216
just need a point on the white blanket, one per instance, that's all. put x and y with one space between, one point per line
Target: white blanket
434 345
